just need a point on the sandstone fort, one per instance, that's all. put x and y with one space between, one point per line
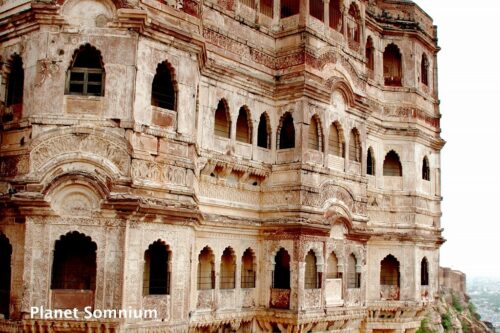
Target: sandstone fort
238 165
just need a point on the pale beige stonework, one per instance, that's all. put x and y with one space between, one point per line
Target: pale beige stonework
126 173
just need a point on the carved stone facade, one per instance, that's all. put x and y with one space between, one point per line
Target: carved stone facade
291 184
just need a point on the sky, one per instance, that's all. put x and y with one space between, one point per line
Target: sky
469 85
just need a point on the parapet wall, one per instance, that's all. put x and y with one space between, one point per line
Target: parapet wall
450 279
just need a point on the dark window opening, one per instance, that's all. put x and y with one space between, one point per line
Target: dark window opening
5 272
315 135
263 135
243 126
163 91
353 276
248 269
227 269
392 66
286 132
424 272
335 140
392 165
222 126
86 74
15 81
370 162
335 15
389 271
316 9
426 173
353 25
289 8
354 146
281 276
157 270
267 7
370 54
206 271
424 69
333 267
312 279
74 265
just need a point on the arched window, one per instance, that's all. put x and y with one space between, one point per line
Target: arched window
289 8
336 140
370 162
354 146
85 76
248 269
15 81
264 132
243 126
267 7
392 66
316 9
163 92
392 165
157 269
333 267
5 271
424 272
426 173
335 15
281 276
227 269
353 276
424 69
312 279
206 271
370 54
354 24
315 135
74 265
286 132
389 271
222 126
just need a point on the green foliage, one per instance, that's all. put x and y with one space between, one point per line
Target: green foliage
465 326
446 321
424 327
473 311
457 305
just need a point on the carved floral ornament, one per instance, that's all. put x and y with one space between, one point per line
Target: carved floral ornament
80 144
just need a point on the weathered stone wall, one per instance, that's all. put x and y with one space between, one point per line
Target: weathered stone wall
127 173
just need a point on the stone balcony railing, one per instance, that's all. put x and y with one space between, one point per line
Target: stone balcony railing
248 297
159 302
393 183
280 298
71 298
353 297
389 293
227 299
312 299
333 292
425 293
206 299
335 162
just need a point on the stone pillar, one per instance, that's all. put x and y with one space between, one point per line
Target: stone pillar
326 18
276 14
301 269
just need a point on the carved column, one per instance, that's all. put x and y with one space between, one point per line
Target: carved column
326 17
276 14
